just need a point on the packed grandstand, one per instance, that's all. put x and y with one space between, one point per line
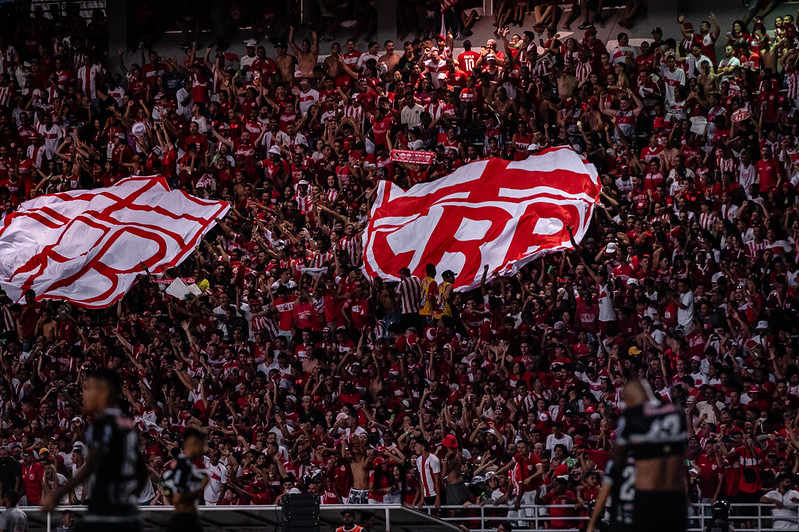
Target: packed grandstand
311 377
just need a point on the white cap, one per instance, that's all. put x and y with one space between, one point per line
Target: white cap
491 57
762 324
611 247
139 129
302 182
250 43
442 75
274 150
533 147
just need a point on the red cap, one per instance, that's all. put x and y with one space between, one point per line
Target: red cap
688 26
590 31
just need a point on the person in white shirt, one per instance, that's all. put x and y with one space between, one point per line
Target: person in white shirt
728 64
673 78
217 473
429 467
308 96
695 60
685 312
202 122
183 98
373 53
249 56
619 54
785 499
558 438
411 113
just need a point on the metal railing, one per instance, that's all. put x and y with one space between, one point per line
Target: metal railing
744 517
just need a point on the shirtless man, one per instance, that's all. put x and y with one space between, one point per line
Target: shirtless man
655 436
390 59
455 492
47 327
285 63
359 464
331 64
308 55
567 82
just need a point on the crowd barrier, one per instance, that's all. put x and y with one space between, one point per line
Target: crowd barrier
744 517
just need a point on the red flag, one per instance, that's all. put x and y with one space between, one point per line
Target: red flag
493 212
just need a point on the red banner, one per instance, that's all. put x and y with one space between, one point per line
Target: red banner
412 157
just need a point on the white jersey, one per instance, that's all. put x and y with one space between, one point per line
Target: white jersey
218 478
427 468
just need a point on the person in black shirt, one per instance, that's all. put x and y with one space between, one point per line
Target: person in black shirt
10 473
114 466
654 435
621 495
184 483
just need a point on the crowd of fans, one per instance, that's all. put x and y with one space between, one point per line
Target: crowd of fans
309 377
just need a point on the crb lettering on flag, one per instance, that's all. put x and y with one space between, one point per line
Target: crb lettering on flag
412 156
88 246
495 212
740 115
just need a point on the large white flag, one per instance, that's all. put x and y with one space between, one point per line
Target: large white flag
493 212
88 246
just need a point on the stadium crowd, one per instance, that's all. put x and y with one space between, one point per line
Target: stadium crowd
309 377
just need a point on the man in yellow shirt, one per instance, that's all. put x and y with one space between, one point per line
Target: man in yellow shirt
445 295
429 294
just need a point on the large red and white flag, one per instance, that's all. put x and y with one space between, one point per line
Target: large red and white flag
493 212
88 246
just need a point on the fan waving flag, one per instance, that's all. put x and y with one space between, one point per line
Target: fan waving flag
88 246
493 212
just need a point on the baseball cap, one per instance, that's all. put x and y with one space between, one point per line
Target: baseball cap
762 324
250 43
688 26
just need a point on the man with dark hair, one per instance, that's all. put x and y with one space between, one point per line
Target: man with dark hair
368 521
785 500
13 519
505 526
348 522
184 483
429 293
114 468
429 468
